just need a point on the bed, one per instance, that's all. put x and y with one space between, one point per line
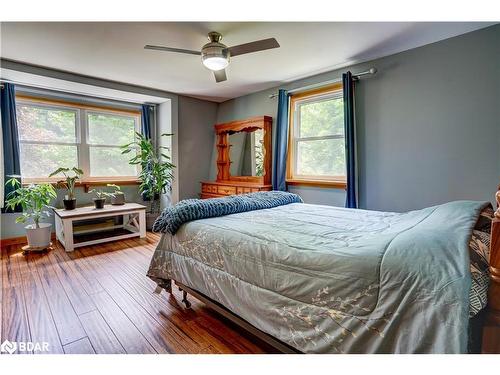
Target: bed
322 279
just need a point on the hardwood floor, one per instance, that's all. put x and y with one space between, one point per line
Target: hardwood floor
98 300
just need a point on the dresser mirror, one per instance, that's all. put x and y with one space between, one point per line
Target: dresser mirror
246 153
243 158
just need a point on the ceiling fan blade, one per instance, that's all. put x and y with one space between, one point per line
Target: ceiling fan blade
259 45
220 75
170 49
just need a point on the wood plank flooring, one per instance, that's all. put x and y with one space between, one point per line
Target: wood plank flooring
98 300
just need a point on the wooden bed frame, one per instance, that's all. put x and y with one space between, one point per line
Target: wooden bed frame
491 331
491 324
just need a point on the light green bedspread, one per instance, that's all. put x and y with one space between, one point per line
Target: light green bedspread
334 280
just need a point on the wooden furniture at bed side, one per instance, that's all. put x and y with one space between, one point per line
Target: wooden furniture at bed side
491 330
214 189
226 184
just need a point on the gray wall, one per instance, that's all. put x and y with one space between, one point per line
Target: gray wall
196 139
428 124
428 128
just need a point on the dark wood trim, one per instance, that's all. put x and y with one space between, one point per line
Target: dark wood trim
494 290
241 125
318 183
236 183
223 131
240 184
491 332
225 312
318 91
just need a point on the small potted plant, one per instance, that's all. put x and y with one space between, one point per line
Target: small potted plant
71 176
117 196
33 199
100 197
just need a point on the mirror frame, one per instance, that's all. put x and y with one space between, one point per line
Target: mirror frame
223 131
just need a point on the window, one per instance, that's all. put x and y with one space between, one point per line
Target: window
106 133
57 134
317 141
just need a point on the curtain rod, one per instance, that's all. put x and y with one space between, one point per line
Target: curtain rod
370 71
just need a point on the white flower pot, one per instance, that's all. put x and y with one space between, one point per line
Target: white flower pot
38 237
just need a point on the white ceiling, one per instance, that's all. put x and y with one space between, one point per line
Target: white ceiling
115 50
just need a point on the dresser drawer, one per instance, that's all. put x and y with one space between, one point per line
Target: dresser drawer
226 190
243 190
209 188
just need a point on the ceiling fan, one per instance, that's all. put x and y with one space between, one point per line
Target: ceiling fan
215 55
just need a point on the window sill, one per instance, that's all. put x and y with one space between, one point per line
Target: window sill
318 183
86 184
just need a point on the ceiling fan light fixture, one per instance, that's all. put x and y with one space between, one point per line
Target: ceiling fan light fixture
215 63
215 56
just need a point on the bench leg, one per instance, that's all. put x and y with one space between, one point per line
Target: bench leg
142 223
68 235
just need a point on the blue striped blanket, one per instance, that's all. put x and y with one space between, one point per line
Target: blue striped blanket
187 210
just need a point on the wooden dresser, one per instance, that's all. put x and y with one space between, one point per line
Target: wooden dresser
243 146
215 189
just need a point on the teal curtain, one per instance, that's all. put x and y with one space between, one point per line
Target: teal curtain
10 137
280 149
350 140
146 120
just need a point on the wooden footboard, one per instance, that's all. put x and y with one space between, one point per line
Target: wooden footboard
491 333
494 291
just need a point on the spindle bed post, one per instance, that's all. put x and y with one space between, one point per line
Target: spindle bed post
494 291
491 332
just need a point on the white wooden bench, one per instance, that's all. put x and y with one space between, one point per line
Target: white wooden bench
134 222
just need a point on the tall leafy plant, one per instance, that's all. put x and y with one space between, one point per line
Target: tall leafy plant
34 199
71 176
156 169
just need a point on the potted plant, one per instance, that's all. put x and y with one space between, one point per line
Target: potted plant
117 196
71 175
100 197
33 199
156 173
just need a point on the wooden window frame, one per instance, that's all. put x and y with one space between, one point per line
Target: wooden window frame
81 142
338 182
